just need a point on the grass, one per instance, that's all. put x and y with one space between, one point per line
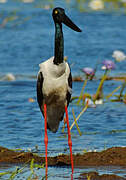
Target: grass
12 174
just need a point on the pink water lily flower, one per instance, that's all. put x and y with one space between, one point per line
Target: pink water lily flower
108 64
88 71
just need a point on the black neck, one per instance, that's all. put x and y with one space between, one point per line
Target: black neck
59 44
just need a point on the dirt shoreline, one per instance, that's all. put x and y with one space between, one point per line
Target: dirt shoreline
115 78
115 156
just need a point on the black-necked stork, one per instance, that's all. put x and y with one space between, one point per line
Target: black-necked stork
54 83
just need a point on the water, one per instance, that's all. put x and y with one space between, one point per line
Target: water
27 41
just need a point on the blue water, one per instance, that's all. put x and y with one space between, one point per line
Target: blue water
28 40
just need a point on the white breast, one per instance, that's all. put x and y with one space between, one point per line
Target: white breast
55 78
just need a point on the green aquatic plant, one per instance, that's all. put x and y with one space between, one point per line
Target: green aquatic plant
111 94
32 166
76 123
12 18
14 173
32 170
88 177
99 92
121 96
76 119
122 90
5 173
108 65
98 5
81 5
82 91
19 170
89 72
124 98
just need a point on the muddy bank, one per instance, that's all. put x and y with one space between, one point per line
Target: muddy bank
116 78
115 156
96 176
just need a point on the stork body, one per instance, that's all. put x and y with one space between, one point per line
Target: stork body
54 89
54 82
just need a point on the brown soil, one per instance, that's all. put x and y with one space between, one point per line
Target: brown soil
115 156
96 176
116 78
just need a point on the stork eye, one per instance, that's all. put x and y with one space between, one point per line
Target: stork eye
56 12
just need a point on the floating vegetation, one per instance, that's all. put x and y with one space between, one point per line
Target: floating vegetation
81 5
76 119
19 170
98 96
87 100
111 94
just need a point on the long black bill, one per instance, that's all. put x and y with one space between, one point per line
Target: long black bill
67 21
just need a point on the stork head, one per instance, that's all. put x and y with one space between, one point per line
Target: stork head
59 17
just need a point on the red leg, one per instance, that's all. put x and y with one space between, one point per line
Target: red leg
46 138
69 141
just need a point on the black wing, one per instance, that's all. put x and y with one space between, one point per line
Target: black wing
70 85
39 90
